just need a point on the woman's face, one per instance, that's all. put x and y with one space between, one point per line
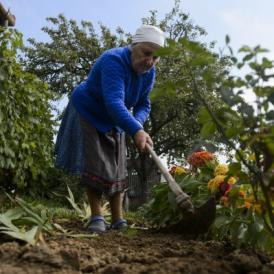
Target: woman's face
142 56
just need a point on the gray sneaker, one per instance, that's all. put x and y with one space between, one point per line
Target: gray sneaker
119 224
97 224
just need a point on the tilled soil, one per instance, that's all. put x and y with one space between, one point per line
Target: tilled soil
116 252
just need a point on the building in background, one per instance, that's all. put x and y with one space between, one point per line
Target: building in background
6 18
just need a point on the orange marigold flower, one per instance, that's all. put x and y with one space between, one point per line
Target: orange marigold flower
247 204
199 158
257 208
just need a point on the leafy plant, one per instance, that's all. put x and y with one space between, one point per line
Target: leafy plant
29 236
26 131
246 129
84 211
28 223
11 219
163 211
249 129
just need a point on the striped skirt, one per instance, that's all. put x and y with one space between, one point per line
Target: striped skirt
98 158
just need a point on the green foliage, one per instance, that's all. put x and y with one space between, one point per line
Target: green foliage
17 220
28 221
83 212
163 211
242 226
244 128
239 215
66 59
26 131
248 128
240 218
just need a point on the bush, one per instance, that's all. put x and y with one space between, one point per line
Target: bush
26 132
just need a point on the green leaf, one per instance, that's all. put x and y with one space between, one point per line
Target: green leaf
221 221
227 39
267 63
164 51
208 129
204 116
271 98
270 115
27 236
231 132
7 222
245 49
234 168
14 213
248 57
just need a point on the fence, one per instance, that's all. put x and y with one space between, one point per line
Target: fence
138 192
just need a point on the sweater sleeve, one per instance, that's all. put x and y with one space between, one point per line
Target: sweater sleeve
113 88
142 109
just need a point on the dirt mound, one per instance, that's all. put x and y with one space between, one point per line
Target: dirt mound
145 252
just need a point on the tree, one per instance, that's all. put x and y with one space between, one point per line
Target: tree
26 132
67 58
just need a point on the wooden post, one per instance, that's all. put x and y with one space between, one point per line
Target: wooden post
6 18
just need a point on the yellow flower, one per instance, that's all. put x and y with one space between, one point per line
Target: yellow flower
221 169
179 170
214 183
231 181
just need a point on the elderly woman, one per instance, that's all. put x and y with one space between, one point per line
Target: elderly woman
113 100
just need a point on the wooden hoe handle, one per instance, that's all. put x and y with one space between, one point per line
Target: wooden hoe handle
172 183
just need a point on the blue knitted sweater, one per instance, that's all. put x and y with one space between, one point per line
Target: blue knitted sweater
114 96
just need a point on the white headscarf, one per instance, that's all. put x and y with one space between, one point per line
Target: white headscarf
147 33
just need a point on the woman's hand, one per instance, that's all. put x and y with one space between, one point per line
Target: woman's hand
141 138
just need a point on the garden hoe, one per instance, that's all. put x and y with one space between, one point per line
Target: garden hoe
196 220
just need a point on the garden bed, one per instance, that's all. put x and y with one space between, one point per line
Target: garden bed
116 252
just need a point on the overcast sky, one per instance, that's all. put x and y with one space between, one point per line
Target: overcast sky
246 21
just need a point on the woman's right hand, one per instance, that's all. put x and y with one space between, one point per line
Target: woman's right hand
141 138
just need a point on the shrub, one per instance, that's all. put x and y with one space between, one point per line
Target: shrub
26 132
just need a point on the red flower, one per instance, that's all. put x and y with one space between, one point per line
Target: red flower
224 188
199 158
173 170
